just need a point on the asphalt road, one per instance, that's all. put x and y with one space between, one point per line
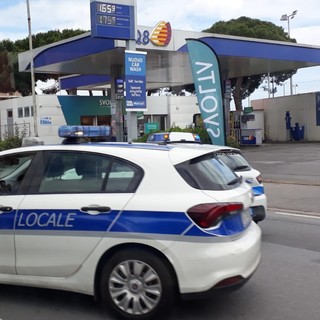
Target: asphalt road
291 174
284 287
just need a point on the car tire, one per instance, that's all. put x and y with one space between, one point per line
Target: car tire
137 284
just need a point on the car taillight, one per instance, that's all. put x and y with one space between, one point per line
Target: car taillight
208 215
229 282
259 178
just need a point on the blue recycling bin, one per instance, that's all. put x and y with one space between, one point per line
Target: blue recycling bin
301 133
297 132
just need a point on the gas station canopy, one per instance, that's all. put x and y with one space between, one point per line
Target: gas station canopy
85 62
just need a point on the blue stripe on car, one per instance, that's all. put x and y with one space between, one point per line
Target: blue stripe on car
143 222
152 222
7 221
230 225
73 220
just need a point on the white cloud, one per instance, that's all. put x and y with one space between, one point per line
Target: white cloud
188 15
193 15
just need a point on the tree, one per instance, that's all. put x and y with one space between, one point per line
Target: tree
10 78
5 71
243 87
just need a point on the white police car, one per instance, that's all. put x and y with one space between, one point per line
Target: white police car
158 137
237 162
135 224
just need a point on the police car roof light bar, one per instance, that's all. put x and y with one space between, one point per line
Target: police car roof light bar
84 131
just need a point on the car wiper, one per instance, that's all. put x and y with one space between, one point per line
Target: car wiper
241 167
234 181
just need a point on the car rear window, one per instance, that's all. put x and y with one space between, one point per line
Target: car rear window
208 172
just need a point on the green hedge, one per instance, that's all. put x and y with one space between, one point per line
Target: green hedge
15 141
10 143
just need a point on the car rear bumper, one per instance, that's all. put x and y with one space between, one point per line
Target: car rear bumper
216 290
207 265
259 208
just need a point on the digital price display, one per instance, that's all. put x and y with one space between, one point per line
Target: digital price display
111 20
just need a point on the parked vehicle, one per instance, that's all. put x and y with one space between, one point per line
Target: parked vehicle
173 136
234 158
237 162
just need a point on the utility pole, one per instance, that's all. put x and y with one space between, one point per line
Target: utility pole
34 102
287 17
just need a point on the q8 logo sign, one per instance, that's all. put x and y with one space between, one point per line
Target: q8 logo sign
160 35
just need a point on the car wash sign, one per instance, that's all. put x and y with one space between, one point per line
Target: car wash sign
135 73
206 76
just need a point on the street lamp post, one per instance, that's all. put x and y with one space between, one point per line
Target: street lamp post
34 104
287 17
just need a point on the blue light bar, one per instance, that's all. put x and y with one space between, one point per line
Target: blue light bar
197 137
84 131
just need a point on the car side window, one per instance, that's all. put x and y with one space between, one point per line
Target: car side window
151 137
13 168
78 172
123 177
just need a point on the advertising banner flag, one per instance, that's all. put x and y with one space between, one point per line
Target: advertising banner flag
135 74
206 77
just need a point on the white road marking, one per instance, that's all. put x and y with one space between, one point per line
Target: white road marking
268 162
301 215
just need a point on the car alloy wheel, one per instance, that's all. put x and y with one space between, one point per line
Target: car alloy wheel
135 287
136 284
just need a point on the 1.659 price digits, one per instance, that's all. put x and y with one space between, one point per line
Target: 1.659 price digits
106 8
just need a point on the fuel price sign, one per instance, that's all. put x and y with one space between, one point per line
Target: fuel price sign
112 20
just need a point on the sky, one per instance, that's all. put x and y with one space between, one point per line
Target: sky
193 15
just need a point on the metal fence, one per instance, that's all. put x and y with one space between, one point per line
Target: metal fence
19 130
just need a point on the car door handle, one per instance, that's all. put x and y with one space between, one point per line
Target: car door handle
96 209
5 209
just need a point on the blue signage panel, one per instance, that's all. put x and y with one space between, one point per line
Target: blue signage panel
111 20
135 73
207 82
